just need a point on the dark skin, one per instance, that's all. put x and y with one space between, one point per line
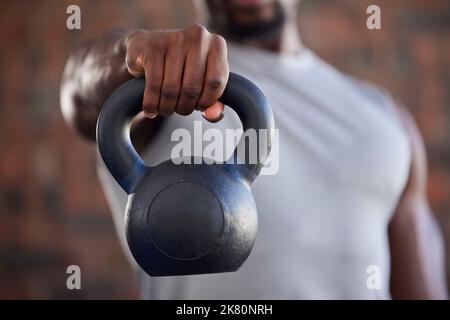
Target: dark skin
416 244
188 69
191 73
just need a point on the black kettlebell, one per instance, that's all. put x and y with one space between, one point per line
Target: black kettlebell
186 218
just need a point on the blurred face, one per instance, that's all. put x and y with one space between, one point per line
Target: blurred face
249 19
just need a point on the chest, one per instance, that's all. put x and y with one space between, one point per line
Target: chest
342 139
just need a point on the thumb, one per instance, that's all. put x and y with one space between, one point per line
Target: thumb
214 113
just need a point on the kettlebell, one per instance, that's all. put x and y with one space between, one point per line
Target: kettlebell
184 218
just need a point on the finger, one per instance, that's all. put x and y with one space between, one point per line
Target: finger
133 57
214 113
134 65
216 75
154 72
173 73
193 76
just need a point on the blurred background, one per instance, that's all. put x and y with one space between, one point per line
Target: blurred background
52 210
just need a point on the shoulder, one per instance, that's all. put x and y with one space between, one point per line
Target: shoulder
406 123
393 111
351 87
417 181
371 91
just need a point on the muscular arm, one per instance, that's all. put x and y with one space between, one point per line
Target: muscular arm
417 253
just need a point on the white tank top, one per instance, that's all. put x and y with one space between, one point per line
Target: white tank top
343 162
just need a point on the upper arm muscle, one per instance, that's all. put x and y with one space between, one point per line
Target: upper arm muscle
417 266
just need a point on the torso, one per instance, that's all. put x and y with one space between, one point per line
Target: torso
343 162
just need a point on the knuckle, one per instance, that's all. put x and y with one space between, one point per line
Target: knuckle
197 31
214 84
219 41
169 92
192 91
153 86
175 37
132 59
157 46
134 42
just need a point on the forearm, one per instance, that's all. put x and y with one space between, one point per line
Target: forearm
91 74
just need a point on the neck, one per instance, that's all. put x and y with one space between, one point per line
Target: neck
287 40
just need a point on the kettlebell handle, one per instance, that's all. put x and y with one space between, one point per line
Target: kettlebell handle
127 167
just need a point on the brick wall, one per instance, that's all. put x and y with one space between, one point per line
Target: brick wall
52 210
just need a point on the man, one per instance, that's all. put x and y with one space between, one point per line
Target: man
346 216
